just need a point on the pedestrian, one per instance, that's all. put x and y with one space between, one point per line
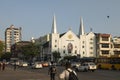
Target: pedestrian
3 66
15 65
52 71
0 66
65 74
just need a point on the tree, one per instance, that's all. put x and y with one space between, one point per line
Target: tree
30 51
56 56
70 57
1 48
6 56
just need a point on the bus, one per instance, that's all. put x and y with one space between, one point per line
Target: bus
111 63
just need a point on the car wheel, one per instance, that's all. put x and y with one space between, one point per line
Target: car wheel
93 70
76 69
85 70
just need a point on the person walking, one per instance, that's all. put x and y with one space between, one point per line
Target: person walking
65 75
3 66
52 71
0 66
15 65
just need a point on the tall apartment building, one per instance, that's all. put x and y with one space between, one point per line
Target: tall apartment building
103 44
12 35
116 46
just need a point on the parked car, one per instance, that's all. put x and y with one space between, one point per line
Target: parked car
45 64
75 64
88 66
23 64
37 65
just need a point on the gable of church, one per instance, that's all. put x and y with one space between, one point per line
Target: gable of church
69 36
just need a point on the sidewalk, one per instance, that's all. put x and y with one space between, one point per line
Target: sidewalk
10 74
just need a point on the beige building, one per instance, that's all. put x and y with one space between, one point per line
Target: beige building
116 46
103 45
12 35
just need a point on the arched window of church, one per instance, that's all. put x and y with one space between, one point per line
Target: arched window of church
70 47
83 42
75 51
83 52
75 46
55 45
64 51
91 52
82 46
55 40
91 38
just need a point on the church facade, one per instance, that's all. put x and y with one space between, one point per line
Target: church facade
70 44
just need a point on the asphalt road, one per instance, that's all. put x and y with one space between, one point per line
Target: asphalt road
21 74
42 74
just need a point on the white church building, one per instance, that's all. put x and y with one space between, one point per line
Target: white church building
70 44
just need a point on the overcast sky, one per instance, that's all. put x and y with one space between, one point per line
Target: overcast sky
36 16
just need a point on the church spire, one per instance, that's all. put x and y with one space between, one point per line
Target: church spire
81 30
54 28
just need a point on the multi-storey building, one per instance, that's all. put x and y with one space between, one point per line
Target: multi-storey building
12 35
103 45
16 48
116 46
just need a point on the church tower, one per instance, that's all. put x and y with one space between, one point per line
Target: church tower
54 27
83 40
81 29
54 38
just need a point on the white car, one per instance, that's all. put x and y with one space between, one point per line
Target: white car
23 64
37 65
89 66
75 64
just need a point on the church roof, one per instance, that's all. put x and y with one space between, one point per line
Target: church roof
62 34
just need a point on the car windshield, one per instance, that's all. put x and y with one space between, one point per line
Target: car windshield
92 64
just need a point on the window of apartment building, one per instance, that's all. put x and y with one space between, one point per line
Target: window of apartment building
91 47
116 52
105 45
91 42
105 52
105 38
116 45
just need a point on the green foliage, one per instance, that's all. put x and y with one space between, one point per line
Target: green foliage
70 57
6 56
56 55
1 48
30 51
